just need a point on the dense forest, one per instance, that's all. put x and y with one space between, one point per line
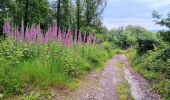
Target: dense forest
73 15
47 44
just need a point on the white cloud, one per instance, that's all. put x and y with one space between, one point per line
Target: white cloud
134 12
115 23
160 4
155 3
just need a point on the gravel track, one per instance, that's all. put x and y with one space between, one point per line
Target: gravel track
101 85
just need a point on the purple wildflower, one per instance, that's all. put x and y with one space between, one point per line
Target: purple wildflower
7 27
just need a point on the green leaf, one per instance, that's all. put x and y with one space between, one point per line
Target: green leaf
1 95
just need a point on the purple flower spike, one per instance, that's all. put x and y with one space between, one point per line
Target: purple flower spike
7 27
33 34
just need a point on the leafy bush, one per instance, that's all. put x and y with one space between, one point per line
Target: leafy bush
125 38
108 48
146 42
145 45
123 41
165 35
164 54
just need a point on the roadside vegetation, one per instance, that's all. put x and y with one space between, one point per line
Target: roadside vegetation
148 53
37 61
40 66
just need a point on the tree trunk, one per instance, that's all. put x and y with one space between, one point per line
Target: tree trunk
1 31
87 13
58 15
26 16
78 17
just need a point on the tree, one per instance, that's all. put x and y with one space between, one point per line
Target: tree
78 17
93 11
34 11
31 11
66 14
135 30
58 13
163 22
62 13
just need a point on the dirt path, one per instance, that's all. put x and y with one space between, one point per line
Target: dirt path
100 85
104 85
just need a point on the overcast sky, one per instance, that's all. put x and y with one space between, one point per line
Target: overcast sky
134 12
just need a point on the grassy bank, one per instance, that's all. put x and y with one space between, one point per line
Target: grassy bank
152 68
25 66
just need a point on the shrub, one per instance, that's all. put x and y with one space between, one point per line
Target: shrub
146 42
108 48
165 35
145 45
164 54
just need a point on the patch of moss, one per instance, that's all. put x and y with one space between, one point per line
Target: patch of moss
124 91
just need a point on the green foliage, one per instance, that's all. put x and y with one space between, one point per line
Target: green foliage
135 30
146 41
88 30
68 14
78 14
4 6
123 41
165 54
161 21
151 59
127 37
40 66
145 45
108 47
32 96
131 54
165 35
38 12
